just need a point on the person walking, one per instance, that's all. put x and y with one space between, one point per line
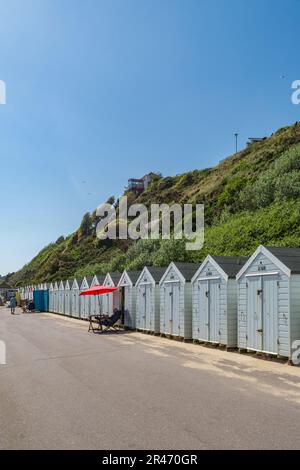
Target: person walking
13 304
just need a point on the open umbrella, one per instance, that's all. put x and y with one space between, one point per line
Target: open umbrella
99 290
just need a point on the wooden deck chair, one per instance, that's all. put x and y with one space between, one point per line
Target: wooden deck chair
105 322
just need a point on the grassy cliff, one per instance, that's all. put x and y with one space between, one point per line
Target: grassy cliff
250 198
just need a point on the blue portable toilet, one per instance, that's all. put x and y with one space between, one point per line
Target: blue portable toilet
38 300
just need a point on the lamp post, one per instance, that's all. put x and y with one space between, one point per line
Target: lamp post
236 142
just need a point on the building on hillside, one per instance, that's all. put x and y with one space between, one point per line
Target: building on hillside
139 185
255 140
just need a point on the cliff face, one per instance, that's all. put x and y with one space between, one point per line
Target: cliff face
250 198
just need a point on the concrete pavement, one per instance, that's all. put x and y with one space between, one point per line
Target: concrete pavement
65 388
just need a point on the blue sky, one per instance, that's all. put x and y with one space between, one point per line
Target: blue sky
103 90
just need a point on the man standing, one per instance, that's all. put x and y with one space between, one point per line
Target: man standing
12 304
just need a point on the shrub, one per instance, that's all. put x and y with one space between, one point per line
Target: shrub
259 194
288 162
287 186
85 226
171 250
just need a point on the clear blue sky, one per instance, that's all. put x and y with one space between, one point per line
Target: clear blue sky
103 90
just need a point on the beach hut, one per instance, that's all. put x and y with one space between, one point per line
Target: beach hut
28 288
75 299
55 297
30 292
127 296
96 300
269 301
148 299
111 301
176 300
22 291
67 299
84 301
46 297
51 297
61 297
214 299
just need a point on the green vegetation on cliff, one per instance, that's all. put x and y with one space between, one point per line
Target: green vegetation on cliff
250 198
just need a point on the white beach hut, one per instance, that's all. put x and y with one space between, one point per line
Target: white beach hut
111 301
96 300
75 299
51 297
30 292
67 300
127 296
269 301
148 299
85 300
176 300
61 297
214 290
22 291
55 297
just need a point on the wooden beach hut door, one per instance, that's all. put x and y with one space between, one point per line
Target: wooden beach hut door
168 308
142 306
262 313
270 314
145 292
172 308
176 309
148 307
127 306
209 310
214 310
108 303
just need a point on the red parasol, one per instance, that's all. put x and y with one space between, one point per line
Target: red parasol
99 290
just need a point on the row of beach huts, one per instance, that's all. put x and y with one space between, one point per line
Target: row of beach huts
246 303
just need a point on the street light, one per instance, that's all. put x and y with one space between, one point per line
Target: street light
236 142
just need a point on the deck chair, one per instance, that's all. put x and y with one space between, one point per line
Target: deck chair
105 322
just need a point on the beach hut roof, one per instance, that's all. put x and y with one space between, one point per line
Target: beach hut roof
290 257
134 275
101 278
231 265
115 277
156 272
187 269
